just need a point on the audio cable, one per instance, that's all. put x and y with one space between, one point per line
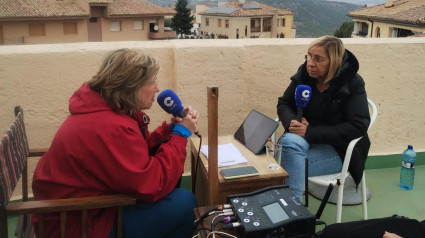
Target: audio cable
224 210
219 208
231 225
224 213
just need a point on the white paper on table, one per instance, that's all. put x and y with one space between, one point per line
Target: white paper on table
228 155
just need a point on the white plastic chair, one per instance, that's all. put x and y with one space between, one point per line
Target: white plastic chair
338 179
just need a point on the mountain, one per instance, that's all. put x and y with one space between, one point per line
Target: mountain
362 2
313 18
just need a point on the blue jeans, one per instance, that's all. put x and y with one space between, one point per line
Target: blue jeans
171 216
322 159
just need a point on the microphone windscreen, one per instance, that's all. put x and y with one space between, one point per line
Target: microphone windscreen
170 102
302 95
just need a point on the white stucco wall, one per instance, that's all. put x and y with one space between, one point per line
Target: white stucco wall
250 74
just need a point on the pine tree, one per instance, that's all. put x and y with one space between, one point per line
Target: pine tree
345 30
182 21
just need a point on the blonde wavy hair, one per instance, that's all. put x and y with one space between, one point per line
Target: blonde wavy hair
122 73
335 51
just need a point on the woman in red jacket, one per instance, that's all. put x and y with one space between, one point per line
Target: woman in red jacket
104 147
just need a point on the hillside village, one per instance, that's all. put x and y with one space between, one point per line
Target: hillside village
54 21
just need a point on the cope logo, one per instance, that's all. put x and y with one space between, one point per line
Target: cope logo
168 102
305 94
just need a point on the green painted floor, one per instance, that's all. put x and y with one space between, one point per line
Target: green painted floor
387 198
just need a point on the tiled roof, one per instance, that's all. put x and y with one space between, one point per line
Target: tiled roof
12 9
403 11
100 1
30 9
137 7
237 10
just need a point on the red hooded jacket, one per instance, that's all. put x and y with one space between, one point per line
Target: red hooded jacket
97 151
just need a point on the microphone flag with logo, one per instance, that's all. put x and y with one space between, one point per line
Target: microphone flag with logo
170 102
302 97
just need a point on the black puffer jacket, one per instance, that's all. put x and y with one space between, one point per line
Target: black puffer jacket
336 116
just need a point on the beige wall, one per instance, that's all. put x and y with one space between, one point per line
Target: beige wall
200 7
234 23
385 28
240 23
53 31
127 32
250 74
287 30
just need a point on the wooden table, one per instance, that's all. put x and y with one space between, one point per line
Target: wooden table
225 187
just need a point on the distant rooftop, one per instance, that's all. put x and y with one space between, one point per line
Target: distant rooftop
10 9
100 1
249 9
221 10
251 6
402 11
137 7
31 9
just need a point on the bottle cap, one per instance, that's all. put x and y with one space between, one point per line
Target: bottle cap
410 146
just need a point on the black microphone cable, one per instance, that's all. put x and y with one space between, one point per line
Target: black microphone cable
226 220
213 210
197 160
229 212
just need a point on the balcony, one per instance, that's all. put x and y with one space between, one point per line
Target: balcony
162 35
267 28
256 29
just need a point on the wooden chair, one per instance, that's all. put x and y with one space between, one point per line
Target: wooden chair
14 154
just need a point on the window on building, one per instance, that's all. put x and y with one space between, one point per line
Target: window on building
207 22
93 19
255 25
115 26
36 29
378 32
364 29
70 28
283 22
227 23
404 32
219 22
267 24
138 25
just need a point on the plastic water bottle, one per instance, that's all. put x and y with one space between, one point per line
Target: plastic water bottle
407 173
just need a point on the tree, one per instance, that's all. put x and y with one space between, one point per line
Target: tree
167 22
345 30
182 21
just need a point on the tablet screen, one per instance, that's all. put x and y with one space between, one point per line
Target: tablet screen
255 130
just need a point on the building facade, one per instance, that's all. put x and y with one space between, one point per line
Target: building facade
66 21
393 19
238 20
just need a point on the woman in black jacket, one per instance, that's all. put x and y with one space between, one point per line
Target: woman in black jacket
336 114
